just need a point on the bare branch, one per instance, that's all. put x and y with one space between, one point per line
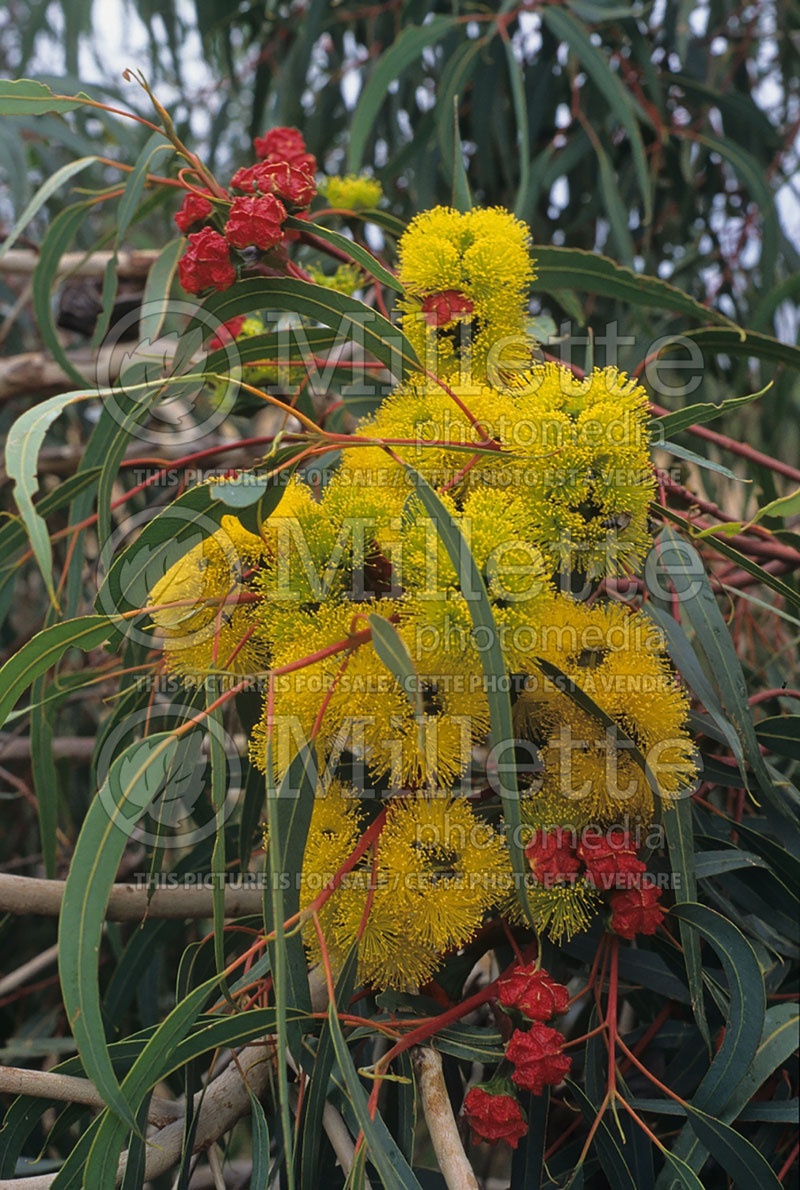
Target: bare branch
453 1162
23 261
128 902
49 1085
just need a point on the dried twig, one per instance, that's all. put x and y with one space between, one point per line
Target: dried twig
128 902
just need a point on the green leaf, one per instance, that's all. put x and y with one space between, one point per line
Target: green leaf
393 1169
473 589
41 196
777 1045
45 649
716 341
455 77
781 734
319 1077
563 25
520 103
22 97
736 1155
691 456
745 1023
259 1142
712 863
133 780
289 811
393 652
589 272
152 1064
608 1142
684 567
677 820
616 209
356 253
462 198
345 315
683 1175
698 415
741 560
22 452
155 303
59 236
405 49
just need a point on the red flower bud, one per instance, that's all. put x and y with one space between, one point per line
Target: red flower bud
551 857
494 1117
292 183
533 992
440 309
610 863
206 264
255 222
636 911
194 209
227 332
283 144
538 1058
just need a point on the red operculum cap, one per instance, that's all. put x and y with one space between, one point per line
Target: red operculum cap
610 861
450 305
551 856
255 222
495 1114
206 264
636 910
193 210
538 1058
533 993
292 183
280 144
227 332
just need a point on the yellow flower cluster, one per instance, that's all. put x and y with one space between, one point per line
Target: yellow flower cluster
544 474
483 257
437 870
353 192
205 609
345 279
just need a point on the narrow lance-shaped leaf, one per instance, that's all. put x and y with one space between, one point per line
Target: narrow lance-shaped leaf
346 315
406 49
43 650
133 781
41 196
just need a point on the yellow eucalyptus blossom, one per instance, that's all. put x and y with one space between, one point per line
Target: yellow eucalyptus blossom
346 279
617 658
332 836
212 625
353 192
359 695
389 956
466 277
583 452
428 430
445 866
439 870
